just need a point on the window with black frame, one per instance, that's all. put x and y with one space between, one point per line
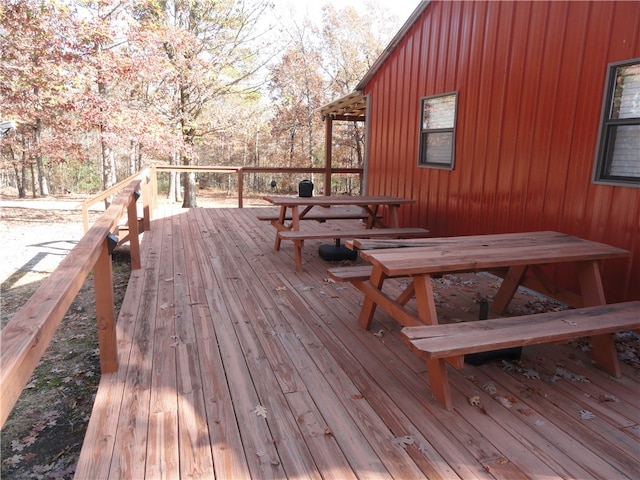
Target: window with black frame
618 155
437 131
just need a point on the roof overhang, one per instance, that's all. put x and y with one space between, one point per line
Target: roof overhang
352 107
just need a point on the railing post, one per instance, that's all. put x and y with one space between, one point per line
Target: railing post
154 187
105 312
134 232
146 204
85 217
240 186
328 140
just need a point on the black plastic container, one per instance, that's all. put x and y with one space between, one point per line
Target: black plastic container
305 188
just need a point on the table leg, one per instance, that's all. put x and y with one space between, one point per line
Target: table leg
393 216
372 211
439 381
280 226
508 288
368 305
602 346
424 299
407 295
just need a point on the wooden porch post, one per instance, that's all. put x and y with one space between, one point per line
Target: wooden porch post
105 312
328 134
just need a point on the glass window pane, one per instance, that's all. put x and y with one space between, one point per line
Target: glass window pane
439 148
439 112
626 97
624 151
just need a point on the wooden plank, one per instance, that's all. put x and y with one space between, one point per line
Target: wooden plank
337 422
162 451
472 337
97 451
557 418
419 260
372 366
371 232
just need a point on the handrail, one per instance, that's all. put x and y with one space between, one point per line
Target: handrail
143 175
240 171
28 334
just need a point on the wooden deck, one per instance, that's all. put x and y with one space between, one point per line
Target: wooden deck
234 366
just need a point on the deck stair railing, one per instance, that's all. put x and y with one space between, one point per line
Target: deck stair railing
28 334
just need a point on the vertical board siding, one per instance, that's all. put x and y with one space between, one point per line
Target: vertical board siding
530 79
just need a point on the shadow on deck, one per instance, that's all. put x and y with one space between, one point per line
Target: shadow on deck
234 366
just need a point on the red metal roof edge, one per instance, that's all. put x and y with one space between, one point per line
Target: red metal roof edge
422 6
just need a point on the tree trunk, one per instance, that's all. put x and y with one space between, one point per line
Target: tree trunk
42 179
108 156
133 157
19 181
188 185
173 192
108 169
33 180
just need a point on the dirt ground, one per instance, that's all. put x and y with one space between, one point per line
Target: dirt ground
42 437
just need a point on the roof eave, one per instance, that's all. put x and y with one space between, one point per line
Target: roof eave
422 6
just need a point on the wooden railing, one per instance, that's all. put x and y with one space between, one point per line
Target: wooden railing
145 192
28 334
240 171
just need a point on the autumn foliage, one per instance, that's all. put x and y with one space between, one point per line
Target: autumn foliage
98 89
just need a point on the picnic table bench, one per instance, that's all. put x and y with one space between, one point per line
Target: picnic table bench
441 344
295 208
298 237
321 216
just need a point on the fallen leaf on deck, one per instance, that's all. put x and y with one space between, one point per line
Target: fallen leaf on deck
505 402
280 289
403 442
328 280
328 431
532 374
379 333
587 415
607 397
526 411
260 411
489 387
475 400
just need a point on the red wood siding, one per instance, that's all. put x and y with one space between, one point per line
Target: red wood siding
530 79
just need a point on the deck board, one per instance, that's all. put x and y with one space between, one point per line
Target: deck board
217 325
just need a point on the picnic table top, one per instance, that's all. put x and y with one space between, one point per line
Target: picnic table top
331 200
488 251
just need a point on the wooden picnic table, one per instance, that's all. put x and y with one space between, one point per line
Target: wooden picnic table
517 252
370 205
294 209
